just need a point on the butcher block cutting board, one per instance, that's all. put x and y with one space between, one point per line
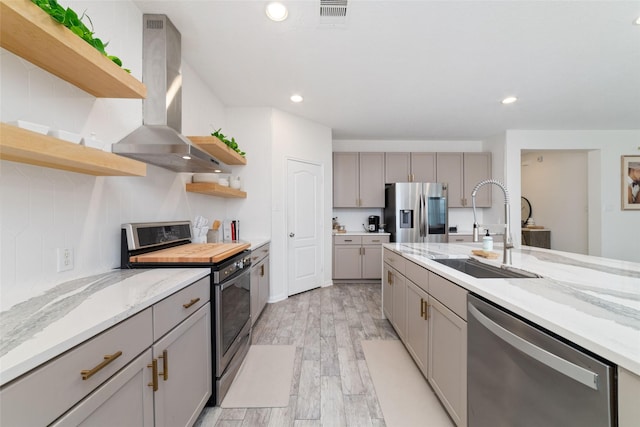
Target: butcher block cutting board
485 254
193 252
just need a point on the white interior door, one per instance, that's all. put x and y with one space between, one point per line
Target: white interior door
304 226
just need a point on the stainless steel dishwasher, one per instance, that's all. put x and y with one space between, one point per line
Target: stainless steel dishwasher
519 375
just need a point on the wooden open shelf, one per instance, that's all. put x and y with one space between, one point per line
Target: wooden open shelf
211 189
218 149
29 32
24 146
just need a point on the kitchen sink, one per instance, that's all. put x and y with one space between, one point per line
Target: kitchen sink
480 270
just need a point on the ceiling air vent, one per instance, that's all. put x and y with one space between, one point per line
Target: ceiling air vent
155 24
333 11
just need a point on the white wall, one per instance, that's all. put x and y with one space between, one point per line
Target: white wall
251 128
300 139
613 233
555 183
43 209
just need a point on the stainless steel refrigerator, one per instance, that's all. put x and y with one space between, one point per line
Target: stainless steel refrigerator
417 212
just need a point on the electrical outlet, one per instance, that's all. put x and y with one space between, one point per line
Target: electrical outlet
64 259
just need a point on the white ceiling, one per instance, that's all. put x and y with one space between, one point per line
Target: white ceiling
422 69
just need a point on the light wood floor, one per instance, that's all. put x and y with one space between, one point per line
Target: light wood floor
331 384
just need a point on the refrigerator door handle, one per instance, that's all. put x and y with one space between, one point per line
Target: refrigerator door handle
571 370
422 212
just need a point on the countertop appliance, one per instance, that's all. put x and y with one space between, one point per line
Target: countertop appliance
168 244
520 375
374 224
416 212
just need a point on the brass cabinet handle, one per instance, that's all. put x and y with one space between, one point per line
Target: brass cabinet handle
190 303
88 373
390 278
262 270
422 307
165 365
426 310
154 374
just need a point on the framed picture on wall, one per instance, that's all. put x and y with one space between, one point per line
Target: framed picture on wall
631 182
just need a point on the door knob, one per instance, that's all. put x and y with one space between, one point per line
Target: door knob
292 234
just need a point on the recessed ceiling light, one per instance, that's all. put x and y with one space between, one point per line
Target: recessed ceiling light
637 21
296 98
277 11
509 100
186 157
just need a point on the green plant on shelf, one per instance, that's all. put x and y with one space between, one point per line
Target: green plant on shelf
230 143
69 18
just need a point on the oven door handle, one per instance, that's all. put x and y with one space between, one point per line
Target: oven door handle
571 370
230 282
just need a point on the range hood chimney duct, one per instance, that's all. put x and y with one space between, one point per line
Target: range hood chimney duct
159 140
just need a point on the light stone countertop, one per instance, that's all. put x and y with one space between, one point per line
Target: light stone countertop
45 326
591 301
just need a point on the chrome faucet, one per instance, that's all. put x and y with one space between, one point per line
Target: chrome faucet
508 241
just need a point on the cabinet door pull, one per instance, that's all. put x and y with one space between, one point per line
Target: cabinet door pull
422 308
426 310
154 374
376 241
190 303
88 373
262 270
348 240
165 365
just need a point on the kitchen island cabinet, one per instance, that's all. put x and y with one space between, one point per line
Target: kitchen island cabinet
433 331
572 300
160 340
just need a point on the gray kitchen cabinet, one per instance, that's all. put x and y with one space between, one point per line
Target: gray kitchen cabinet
447 370
429 314
358 180
462 171
124 400
358 257
184 371
259 281
153 368
410 167
417 337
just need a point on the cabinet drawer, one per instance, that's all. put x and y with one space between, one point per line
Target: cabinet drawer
177 307
394 260
418 275
58 385
259 253
451 295
347 240
375 239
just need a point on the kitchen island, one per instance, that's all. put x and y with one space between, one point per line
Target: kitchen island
593 302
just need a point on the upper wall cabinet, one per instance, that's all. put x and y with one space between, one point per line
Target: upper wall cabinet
358 180
29 32
410 167
462 171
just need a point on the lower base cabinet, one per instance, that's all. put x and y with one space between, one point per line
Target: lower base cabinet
259 281
125 400
429 317
447 372
152 369
417 336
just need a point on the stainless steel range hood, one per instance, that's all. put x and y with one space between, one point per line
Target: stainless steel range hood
159 141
